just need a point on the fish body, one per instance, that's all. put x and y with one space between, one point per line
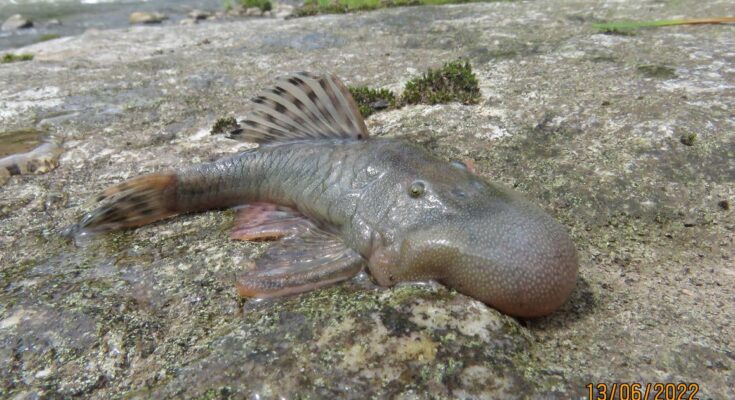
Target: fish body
341 200
40 160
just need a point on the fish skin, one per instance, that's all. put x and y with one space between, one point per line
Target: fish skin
408 214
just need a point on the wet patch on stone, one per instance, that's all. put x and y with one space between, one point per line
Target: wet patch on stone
20 141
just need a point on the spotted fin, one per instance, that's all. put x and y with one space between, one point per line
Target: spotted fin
306 258
303 106
133 203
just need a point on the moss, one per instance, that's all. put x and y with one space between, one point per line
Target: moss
454 81
224 125
10 57
313 7
264 5
657 71
689 139
225 392
48 36
371 100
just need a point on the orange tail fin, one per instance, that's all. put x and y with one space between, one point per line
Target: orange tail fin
133 203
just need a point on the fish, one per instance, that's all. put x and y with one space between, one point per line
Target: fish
41 159
334 201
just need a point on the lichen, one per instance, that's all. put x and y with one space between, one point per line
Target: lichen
454 81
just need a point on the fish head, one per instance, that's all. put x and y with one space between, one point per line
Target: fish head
482 239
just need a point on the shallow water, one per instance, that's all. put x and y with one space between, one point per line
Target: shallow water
76 16
21 141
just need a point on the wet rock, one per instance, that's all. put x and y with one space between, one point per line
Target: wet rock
145 17
16 21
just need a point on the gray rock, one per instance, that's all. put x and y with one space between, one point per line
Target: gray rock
253 12
282 10
199 14
145 17
236 10
16 21
567 118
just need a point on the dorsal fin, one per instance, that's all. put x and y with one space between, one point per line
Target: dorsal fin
303 106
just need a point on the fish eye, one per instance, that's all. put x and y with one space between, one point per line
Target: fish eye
416 189
459 164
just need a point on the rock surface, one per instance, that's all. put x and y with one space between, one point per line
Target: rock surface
16 21
199 14
145 17
577 120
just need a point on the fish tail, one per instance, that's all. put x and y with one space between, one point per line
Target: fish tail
135 202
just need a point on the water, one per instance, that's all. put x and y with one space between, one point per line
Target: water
76 16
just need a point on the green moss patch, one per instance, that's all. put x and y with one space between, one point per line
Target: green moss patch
455 81
371 100
313 7
10 57
688 139
48 36
224 125
264 5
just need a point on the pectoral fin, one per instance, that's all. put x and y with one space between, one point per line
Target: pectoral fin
266 221
300 263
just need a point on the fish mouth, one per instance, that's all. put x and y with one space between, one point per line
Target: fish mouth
521 262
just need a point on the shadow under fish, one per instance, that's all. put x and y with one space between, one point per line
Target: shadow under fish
337 201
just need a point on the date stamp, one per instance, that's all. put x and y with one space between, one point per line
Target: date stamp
642 391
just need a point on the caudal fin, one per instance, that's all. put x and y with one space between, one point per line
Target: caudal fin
133 203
